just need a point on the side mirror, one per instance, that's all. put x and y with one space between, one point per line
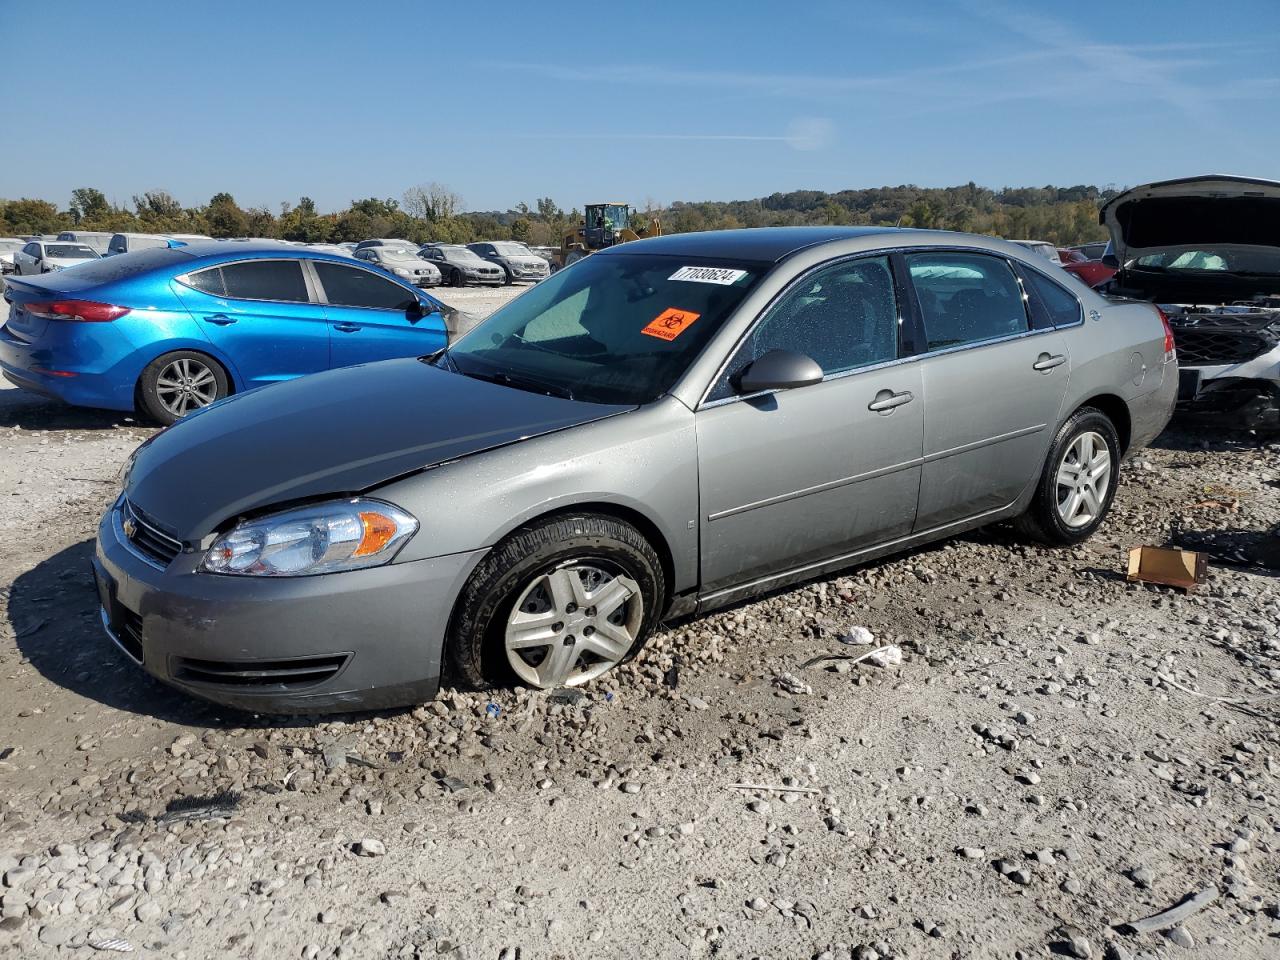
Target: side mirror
1109 260
779 370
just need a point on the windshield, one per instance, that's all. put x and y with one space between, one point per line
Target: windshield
512 250
124 265
1222 260
69 251
615 328
394 253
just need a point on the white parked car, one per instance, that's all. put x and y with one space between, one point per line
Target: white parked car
8 247
1042 247
128 242
46 256
97 239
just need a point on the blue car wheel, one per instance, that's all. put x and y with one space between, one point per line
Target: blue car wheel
176 383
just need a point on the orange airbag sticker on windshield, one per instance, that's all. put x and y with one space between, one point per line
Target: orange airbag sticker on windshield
670 323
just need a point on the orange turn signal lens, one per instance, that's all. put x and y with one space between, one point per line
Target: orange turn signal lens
378 531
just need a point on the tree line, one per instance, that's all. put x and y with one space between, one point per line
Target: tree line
433 212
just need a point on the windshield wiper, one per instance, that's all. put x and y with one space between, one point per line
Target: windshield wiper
528 384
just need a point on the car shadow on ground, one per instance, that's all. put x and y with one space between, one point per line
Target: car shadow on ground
29 411
53 612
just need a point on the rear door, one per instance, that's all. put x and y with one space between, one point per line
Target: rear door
372 317
262 315
995 385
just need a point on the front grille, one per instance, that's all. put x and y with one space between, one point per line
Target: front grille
1207 347
128 632
260 675
148 539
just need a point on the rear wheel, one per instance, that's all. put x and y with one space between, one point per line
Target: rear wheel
175 384
1079 481
558 604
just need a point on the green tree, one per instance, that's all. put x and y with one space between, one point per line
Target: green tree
89 203
520 229
225 218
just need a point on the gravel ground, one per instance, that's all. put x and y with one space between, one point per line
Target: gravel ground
1058 753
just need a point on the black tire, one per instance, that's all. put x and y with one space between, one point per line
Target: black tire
1042 520
457 279
149 399
508 279
474 653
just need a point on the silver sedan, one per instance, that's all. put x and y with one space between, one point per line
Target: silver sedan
666 427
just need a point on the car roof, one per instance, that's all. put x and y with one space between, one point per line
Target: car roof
249 249
769 244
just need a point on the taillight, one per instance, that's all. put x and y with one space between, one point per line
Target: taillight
1168 335
84 311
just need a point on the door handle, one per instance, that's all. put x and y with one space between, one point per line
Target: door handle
1046 362
346 327
887 400
221 319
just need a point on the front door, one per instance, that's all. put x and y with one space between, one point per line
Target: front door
995 386
795 477
374 318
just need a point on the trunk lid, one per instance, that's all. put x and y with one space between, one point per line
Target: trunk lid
1210 239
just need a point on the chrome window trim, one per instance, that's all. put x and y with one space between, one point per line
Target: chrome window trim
323 297
182 278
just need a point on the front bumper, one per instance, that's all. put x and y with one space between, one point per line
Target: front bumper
425 282
1248 391
359 640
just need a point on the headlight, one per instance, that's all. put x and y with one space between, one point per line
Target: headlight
401 271
324 538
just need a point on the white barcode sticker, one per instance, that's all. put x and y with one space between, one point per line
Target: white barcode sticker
721 275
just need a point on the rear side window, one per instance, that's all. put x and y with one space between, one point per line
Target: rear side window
265 280
1060 304
966 298
353 287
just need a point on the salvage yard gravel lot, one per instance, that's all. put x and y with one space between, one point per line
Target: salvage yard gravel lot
1024 783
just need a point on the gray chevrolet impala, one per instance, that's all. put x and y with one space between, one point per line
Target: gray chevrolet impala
666 427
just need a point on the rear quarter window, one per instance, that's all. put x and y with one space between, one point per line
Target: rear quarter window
1061 306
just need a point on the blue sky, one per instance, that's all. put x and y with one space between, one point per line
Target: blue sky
506 102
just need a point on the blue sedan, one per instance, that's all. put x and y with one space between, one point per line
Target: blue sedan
166 331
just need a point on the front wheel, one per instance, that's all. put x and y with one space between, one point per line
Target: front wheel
457 280
175 384
557 605
1079 480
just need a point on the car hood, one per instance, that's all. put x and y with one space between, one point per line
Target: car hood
1221 211
330 434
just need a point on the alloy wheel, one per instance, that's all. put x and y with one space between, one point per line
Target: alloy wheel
1084 477
572 624
186 384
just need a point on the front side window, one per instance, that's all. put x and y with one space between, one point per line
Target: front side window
353 287
842 317
613 328
1060 304
966 298
265 280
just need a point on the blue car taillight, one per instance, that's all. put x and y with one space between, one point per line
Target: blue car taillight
82 311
